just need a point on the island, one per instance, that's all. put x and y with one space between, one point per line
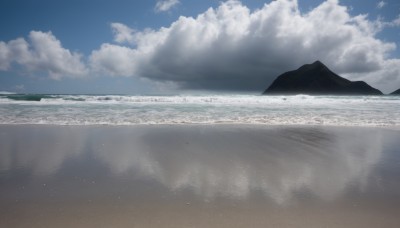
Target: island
397 92
317 79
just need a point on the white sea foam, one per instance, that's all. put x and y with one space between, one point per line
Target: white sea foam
239 109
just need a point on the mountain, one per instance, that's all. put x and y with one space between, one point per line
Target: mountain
397 92
317 79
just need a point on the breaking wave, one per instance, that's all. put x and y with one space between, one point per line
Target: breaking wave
216 109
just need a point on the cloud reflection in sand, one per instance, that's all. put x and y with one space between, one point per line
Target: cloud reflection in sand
211 162
43 150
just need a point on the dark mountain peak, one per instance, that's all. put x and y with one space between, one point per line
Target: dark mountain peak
316 78
317 64
316 67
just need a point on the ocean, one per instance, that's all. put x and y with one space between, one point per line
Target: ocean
200 109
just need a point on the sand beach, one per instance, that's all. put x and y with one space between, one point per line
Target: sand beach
199 176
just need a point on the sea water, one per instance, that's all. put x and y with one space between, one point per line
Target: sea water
200 109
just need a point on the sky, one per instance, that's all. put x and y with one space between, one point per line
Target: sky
189 46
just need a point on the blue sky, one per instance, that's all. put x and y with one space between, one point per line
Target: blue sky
136 47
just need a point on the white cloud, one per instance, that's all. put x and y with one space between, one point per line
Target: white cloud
114 60
234 48
122 33
380 24
165 5
4 56
396 21
43 53
381 4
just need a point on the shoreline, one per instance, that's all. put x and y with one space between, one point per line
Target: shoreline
392 127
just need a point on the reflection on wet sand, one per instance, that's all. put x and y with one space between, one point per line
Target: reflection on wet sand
225 168
232 164
42 150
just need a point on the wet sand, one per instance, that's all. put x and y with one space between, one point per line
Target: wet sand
199 176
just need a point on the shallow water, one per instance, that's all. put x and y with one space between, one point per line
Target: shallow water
199 176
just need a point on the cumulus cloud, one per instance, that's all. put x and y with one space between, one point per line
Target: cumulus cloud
233 48
165 5
43 53
115 60
122 33
381 4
